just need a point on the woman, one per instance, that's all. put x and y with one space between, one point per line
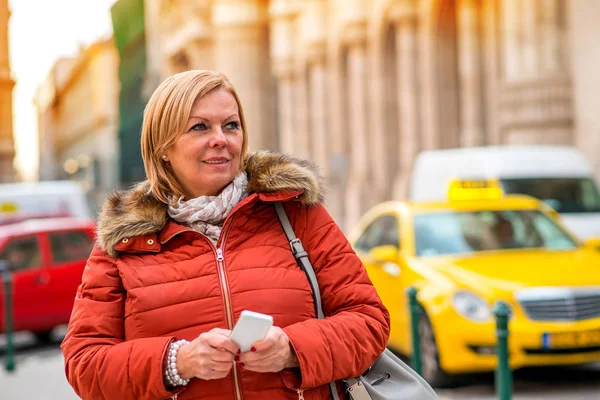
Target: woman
181 255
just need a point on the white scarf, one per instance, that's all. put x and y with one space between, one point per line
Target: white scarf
206 214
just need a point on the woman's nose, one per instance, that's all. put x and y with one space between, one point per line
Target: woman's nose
218 138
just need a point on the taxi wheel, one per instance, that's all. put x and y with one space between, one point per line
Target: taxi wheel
43 337
430 358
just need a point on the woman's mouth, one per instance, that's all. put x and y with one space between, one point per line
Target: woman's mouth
216 161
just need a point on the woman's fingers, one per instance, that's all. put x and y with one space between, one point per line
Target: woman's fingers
272 354
219 366
210 355
223 356
219 339
213 374
219 331
269 364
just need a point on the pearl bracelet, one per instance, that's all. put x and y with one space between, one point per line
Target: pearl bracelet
171 373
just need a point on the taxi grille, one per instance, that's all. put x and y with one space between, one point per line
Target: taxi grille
564 306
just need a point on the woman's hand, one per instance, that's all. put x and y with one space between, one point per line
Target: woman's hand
271 354
209 356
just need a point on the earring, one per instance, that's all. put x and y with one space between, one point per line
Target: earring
164 157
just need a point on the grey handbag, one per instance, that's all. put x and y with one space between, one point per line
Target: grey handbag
389 378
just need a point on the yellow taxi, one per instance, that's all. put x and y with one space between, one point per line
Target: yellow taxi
465 254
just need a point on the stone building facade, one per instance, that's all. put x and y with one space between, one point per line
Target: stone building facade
7 143
361 86
78 118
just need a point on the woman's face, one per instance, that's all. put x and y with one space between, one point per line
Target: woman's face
206 157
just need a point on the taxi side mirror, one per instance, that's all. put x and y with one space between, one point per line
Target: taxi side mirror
384 254
593 243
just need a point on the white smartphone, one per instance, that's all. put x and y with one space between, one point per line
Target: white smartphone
250 327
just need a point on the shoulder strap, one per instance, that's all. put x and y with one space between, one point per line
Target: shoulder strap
301 257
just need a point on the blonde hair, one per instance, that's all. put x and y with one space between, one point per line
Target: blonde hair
165 117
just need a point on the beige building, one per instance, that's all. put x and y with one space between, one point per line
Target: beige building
78 116
361 86
7 147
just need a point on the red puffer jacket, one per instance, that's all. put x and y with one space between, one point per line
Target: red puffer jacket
150 281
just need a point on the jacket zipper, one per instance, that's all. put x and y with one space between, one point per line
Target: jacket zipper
225 290
300 394
227 298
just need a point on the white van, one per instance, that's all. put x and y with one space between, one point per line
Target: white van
558 175
43 199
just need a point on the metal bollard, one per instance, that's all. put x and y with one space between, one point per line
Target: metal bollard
415 314
503 371
9 353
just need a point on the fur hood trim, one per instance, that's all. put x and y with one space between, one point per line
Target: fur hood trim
136 212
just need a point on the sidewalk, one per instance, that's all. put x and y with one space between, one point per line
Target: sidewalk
38 376
542 383
39 373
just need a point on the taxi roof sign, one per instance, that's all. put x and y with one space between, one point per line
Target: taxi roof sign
475 189
8 208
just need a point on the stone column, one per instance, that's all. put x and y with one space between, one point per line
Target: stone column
491 69
529 45
584 20
312 32
337 161
317 80
470 74
198 34
550 38
357 197
282 56
302 132
428 85
381 95
510 25
408 100
285 108
242 53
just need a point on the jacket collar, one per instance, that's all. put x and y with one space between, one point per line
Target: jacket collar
136 213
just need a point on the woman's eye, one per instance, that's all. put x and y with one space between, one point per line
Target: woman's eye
198 127
233 125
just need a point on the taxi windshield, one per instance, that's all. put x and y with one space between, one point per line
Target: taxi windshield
466 232
565 195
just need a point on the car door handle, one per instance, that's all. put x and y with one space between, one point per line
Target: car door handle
391 268
42 279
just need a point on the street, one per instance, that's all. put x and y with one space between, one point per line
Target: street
40 375
544 383
39 371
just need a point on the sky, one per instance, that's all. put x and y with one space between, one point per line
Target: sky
40 32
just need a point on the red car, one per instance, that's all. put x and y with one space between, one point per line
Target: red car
46 258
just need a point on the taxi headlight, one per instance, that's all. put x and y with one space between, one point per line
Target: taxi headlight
471 306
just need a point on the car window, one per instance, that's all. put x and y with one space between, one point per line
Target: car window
381 232
22 253
466 232
70 246
565 195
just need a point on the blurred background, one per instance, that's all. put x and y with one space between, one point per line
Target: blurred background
361 87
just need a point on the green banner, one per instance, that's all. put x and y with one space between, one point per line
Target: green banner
129 33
